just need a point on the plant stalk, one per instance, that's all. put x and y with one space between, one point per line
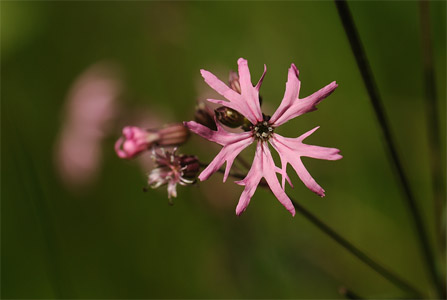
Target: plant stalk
431 109
365 70
390 276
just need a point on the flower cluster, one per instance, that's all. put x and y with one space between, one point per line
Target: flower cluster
171 168
240 109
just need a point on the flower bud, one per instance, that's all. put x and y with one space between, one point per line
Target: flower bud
134 141
190 166
234 82
229 117
173 135
204 116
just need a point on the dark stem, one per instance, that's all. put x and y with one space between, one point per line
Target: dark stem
392 277
348 294
365 70
431 109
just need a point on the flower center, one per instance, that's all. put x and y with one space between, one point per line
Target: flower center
262 131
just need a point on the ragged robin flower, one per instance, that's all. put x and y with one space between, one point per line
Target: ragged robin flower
262 131
172 169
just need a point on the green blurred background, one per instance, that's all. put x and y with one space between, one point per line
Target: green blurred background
111 240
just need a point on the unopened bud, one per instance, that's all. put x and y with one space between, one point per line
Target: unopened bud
229 117
173 135
190 166
134 141
234 82
203 115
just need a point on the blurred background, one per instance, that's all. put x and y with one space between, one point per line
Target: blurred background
75 220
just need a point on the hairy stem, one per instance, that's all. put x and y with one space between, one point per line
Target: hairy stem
365 70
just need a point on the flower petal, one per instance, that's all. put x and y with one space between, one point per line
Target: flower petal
227 154
233 144
246 103
263 166
258 85
249 93
291 106
221 136
172 189
270 176
250 182
291 94
290 151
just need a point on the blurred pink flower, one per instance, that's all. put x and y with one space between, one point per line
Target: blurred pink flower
89 112
262 129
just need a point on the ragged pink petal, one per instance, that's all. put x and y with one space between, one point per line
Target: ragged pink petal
258 85
292 106
221 136
246 103
291 150
263 166
250 182
291 94
227 154
249 93
233 144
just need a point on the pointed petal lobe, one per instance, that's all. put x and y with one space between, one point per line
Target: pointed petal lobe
263 166
291 150
292 106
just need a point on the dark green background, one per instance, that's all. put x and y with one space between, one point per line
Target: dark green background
114 241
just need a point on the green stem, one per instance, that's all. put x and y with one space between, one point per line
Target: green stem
392 277
365 70
348 294
431 108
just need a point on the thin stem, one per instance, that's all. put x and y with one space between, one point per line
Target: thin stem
431 109
348 294
392 277
365 70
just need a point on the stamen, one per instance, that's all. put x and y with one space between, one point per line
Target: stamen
263 130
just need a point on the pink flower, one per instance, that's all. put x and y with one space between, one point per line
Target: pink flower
262 130
136 140
90 110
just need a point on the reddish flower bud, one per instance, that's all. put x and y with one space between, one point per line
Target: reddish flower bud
229 117
173 135
203 115
189 165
